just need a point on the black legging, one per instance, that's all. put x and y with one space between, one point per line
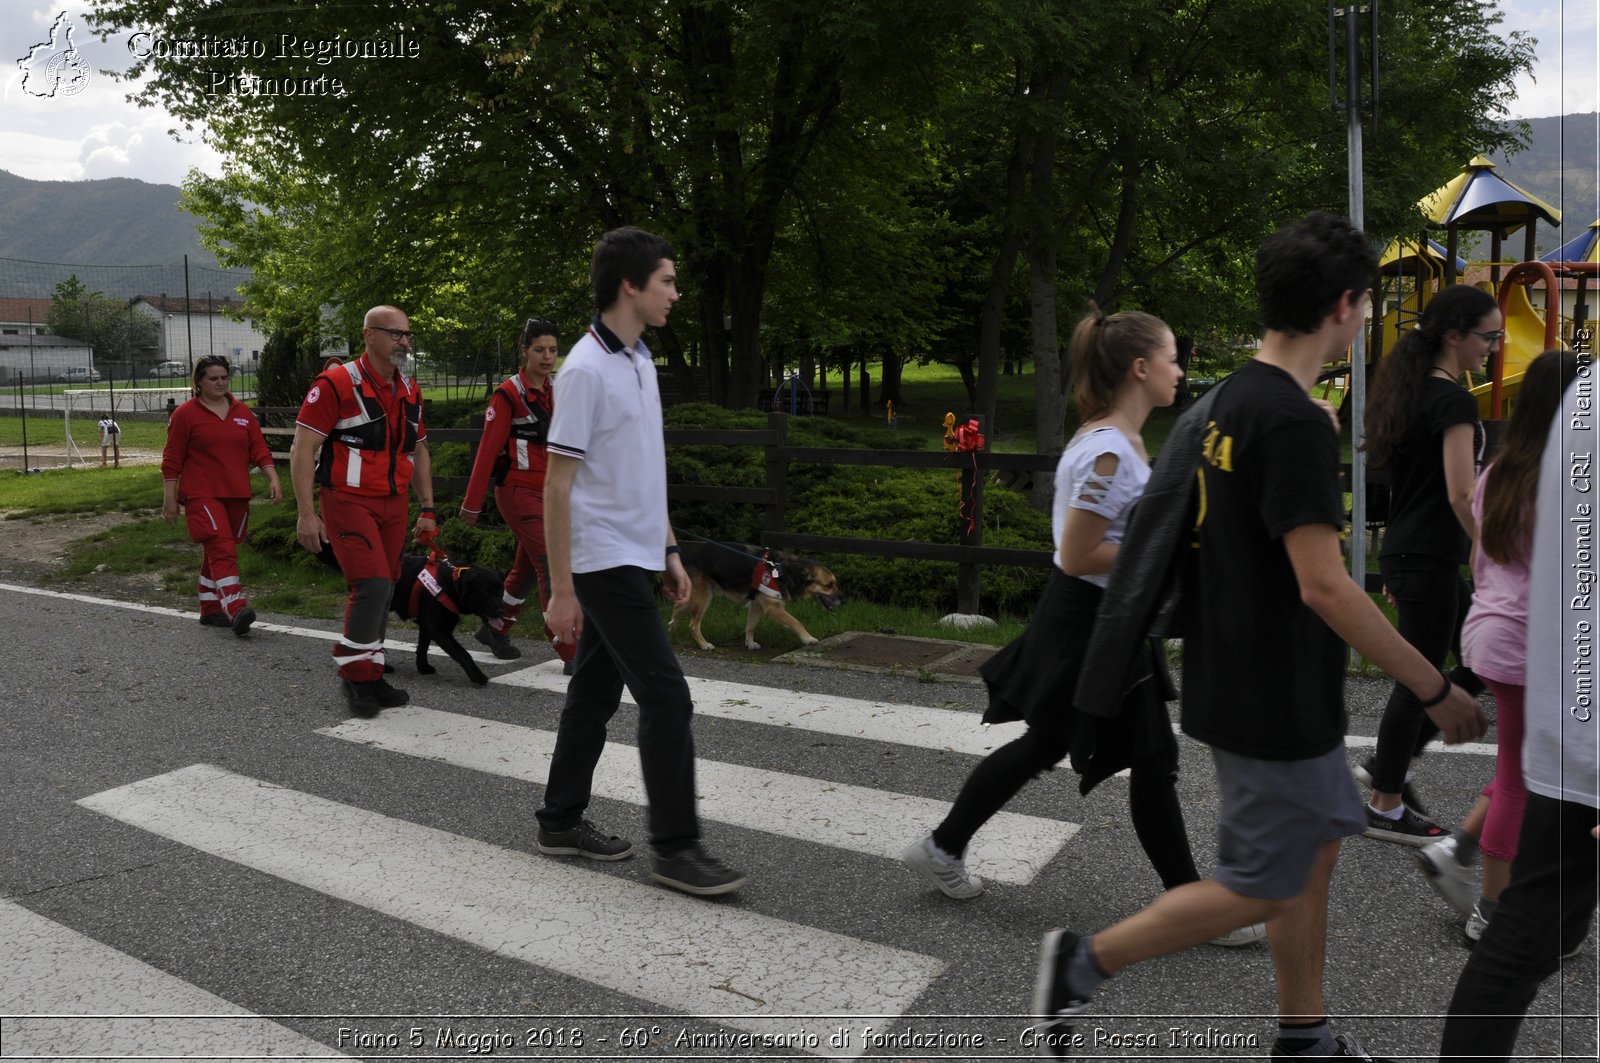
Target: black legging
1152 798
1427 595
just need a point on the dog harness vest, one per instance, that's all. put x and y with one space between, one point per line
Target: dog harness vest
439 576
370 448
764 580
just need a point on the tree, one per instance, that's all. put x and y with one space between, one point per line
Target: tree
107 325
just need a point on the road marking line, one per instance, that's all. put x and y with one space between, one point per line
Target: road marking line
881 721
394 645
907 725
678 952
1011 848
93 999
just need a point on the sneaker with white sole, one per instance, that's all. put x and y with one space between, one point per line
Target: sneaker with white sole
1349 1048
1055 1004
950 877
1245 935
1408 794
583 840
1409 829
1452 881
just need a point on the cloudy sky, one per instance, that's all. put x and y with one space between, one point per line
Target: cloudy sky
97 133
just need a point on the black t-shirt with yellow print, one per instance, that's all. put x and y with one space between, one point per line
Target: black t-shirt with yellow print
1263 676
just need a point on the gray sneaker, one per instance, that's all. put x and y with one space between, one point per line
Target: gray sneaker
1245 935
696 871
950 877
1455 883
584 840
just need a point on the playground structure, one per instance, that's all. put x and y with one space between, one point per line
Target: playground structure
1529 289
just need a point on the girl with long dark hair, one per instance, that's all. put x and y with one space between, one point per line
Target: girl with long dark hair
1422 427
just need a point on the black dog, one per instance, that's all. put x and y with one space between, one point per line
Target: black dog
436 596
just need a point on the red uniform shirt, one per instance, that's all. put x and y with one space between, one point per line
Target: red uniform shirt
371 426
212 456
514 435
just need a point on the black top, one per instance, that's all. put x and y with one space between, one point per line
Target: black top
1420 518
1263 676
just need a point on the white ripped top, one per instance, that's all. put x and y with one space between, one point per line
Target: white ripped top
1078 486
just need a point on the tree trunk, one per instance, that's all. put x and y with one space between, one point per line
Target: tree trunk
1004 268
1049 393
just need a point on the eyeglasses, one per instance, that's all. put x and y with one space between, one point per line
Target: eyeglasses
398 335
1491 338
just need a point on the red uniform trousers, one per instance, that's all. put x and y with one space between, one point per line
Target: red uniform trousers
367 533
522 508
219 526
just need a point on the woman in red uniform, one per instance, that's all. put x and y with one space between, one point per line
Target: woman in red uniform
213 441
512 455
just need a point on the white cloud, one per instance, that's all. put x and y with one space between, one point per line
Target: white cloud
1566 76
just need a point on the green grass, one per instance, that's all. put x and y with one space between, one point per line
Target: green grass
45 430
58 491
724 624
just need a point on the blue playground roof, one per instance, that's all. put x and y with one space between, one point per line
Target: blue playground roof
1585 247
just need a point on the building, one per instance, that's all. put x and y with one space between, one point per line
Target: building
22 317
40 358
202 326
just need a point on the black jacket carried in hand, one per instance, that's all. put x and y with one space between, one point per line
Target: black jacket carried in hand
1142 597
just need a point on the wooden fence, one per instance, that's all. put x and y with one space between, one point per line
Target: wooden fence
968 556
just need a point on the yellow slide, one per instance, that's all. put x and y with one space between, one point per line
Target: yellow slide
1523 343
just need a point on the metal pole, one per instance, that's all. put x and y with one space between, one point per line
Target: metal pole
1358 349
188 314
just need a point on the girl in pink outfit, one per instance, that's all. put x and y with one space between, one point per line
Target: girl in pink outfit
1493 641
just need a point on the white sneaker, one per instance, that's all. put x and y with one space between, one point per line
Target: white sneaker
1245 935
949 876
1455 883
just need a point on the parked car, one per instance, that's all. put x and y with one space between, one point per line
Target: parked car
179 369
78 374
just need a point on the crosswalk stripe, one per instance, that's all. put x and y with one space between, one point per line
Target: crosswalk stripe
1011 848
678 952
67 995
879 721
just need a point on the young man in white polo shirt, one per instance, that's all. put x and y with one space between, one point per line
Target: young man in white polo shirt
607 533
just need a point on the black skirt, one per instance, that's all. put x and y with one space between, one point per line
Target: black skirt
1034 676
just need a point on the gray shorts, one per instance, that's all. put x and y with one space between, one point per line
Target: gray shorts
1276 816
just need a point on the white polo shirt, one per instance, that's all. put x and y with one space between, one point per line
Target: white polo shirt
1561 747
608 416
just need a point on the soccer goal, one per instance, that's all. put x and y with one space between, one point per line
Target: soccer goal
88 405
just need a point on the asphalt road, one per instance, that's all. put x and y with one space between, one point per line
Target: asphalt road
184 836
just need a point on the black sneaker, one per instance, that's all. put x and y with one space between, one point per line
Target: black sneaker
498 644
1408 794
1055 1005
696 871
242 621
1409 829
569 668
215 620
362 698
584 840
388 697
1349 1048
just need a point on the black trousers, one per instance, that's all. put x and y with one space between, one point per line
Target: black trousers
1544 913
624 643
1427 595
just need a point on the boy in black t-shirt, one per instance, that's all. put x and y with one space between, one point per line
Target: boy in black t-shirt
1268 605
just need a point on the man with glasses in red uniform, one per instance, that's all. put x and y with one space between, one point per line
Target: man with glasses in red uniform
360 436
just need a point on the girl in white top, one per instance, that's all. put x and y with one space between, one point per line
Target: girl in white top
1124 366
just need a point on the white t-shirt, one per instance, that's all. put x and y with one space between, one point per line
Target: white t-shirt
1561 748
608 415
1078 486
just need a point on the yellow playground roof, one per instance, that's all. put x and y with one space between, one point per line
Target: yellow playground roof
1479 198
